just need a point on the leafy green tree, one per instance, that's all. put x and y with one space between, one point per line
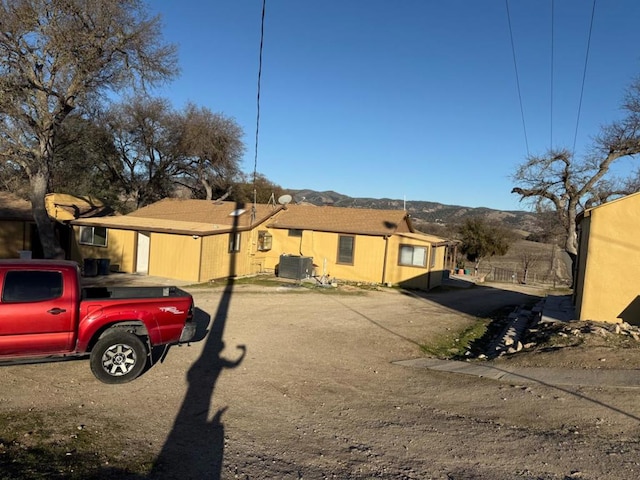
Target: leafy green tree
212 148
481 239
265 190
56 57
146 133
83 152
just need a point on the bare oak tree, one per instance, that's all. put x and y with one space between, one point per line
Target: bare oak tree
569 185
55 56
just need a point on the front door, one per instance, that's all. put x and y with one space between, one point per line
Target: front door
142 257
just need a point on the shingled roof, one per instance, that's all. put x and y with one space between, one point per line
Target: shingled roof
363 221
185 216
205 211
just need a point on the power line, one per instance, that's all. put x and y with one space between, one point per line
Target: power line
584 75
551 79
515 65
255 157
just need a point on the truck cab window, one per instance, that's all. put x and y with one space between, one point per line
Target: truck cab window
31 286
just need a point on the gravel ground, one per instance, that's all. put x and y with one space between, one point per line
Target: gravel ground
290 383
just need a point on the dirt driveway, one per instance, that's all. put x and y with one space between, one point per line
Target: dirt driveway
297 384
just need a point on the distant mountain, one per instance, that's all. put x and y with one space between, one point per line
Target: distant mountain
421 211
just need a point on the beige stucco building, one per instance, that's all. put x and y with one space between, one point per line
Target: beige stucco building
606 284
199 240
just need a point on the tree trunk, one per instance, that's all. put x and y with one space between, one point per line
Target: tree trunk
207 188
46 231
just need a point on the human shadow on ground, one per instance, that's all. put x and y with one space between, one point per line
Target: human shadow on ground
195 446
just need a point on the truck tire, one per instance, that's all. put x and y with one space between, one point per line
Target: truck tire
118 357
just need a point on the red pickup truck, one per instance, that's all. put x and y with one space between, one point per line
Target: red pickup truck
45 313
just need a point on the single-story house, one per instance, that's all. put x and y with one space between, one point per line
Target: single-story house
606 284
200 240
357 244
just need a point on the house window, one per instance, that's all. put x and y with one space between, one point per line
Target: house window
294 232
96 236
413 256
433 257
345 249
234 242
264 241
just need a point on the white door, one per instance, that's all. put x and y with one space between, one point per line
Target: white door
142 257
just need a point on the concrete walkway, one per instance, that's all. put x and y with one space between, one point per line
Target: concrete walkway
556 308
520 375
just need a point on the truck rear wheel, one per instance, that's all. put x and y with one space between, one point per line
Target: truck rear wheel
118 357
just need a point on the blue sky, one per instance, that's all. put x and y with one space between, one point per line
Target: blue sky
413 99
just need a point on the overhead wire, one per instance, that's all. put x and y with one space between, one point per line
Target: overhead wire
551 78
255 157
515 65
584 75
552 61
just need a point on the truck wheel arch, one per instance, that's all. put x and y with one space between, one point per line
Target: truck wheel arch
135 327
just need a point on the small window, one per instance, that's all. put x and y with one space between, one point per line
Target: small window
433 257
96 236
294 232
265 241
31 286
234 242
413 256
345 249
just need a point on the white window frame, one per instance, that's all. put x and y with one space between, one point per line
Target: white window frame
234 242
410 256
90 237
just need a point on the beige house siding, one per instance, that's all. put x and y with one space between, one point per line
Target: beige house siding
15 235
120 249
376 258
217 262
581 263
175 256
607 287
417 277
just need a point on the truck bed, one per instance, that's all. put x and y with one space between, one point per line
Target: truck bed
100 293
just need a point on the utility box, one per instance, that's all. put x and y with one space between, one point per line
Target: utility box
295 267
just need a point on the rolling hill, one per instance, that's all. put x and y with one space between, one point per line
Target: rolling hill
422 212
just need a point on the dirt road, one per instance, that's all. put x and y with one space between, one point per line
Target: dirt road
293 384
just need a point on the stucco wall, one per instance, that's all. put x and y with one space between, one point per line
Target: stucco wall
610 291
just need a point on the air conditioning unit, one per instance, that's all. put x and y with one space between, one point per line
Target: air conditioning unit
295 267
